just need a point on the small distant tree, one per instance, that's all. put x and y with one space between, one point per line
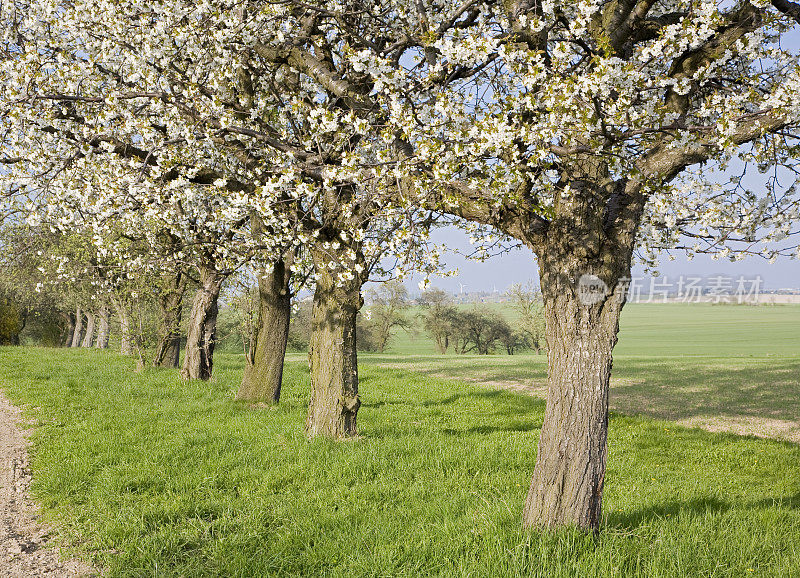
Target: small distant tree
367 336
527 301
238 315
388 310
513 341
480 330
438 317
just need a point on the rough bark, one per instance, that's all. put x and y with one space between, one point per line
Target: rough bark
125 337
76 333
263 373
198 361
567 485
171 307
88 337
584 261
103 329
332 354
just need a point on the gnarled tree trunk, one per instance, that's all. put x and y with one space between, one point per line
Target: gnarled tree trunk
263 373
88 338
76 333
198 362
584 263
103 329
171 305
332 351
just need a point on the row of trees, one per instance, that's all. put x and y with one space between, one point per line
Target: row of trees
481 329
172 144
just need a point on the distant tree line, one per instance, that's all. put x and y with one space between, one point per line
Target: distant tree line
479 329
482 329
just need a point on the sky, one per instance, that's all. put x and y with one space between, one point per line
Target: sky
519 266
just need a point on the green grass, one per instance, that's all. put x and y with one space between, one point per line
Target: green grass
730 367
152 476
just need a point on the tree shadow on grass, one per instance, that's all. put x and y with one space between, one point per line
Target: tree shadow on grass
759 396
490 429
643 517
449 400
682 389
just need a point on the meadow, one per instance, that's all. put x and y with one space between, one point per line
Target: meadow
722 367
150 476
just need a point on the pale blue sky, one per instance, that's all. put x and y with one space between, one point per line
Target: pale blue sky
519 266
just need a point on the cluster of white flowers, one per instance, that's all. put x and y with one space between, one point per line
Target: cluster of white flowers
189 118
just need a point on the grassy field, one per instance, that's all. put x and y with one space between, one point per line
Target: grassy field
150 476
729 368
674 329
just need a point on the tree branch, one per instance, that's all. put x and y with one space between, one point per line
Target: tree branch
790 9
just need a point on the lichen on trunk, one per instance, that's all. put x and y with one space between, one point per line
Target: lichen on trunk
332 355
200 341
263 373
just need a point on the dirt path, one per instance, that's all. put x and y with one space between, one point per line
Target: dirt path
23 540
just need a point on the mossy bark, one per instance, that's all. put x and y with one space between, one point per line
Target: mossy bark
198 362
333 360
263 373
170 304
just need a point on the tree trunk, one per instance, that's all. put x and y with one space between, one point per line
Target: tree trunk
76 333
172 353
332 351
126 340
103 329
583 265
88 338
70 329
567 485
198 362
171 305
263 373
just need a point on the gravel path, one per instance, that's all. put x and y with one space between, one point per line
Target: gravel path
23 540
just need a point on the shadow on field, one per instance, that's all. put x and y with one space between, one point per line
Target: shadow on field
449 400
488 429
643 517
745 395
684 388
